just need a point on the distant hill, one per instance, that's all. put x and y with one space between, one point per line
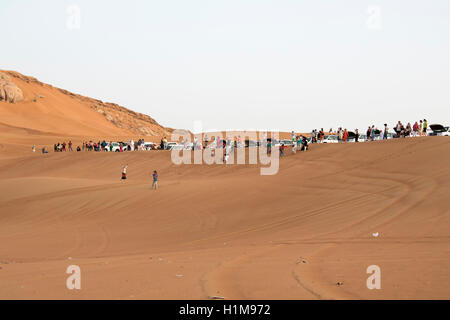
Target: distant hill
28 103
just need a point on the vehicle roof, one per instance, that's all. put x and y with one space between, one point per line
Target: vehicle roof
437 127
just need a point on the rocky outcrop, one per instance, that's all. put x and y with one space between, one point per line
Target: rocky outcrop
124 118
9 91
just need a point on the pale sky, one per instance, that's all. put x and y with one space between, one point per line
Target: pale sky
240 64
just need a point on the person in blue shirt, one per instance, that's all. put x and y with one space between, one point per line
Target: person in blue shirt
155 180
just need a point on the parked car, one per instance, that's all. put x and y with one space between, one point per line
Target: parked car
125 145
251 143
330 139
439 130
170 145
274 142
286 142
177 147
362 138
150 146
116 147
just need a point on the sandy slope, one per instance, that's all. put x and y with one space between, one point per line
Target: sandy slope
49 109
226 231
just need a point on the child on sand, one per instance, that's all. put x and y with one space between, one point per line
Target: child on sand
124 172
155 180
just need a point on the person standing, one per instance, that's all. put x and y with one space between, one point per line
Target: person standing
408 129
124 172
345 135
385 133
415 129
226 157
421 128
282 150
194 146
304 144
356 135
70 145
398 129
206 141
425 127
155 180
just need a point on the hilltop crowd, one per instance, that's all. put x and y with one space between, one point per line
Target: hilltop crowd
419 128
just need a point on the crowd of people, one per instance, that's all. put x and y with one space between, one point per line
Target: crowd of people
419 128
299 142
99 146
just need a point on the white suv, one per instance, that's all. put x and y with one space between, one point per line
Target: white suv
116 147
330 139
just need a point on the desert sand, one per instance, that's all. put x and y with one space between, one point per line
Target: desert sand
226 231
308 232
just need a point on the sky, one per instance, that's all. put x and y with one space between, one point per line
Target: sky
241 64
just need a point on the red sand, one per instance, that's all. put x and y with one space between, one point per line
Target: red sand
227 230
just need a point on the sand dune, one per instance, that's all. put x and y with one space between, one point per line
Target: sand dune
50 109
226 231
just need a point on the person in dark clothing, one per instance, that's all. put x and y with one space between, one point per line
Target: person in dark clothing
304 144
